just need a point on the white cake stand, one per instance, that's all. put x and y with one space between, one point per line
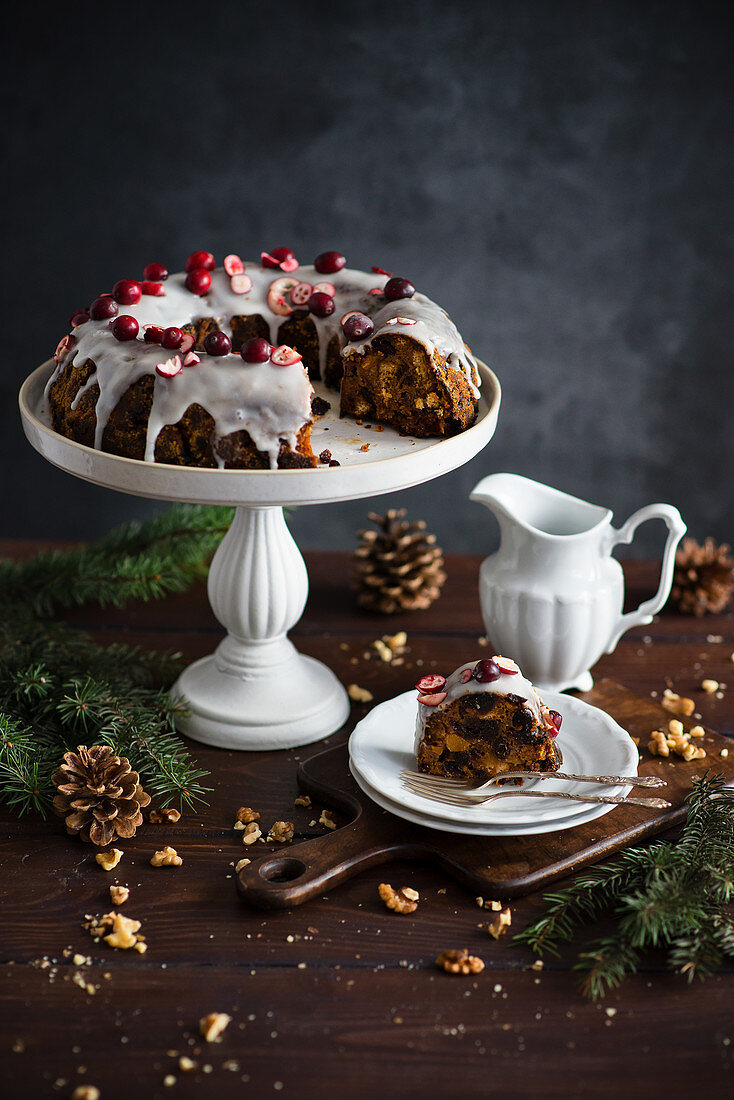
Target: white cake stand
256 691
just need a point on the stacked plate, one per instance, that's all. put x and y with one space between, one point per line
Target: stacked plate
592 743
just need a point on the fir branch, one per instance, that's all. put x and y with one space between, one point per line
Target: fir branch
134 562
670 895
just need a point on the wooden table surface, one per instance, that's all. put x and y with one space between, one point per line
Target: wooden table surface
341 996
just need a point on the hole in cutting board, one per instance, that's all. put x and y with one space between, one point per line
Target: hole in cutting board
283 870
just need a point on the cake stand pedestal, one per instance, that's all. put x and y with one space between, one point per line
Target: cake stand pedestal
256 691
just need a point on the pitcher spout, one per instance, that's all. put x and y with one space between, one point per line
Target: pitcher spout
539 509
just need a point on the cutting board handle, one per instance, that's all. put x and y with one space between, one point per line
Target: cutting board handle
303 871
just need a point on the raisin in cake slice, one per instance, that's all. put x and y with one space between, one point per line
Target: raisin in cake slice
484 720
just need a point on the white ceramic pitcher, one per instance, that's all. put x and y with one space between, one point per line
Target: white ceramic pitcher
552 595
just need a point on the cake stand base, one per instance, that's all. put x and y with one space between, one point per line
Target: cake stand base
302 703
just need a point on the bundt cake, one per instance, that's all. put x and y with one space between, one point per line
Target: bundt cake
213 366
484 720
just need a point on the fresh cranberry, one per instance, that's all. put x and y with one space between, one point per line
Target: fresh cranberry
198 281
217 343
127 292
256 350
329 262
357 326
172 338
555 718
320 304
196 260
124 327
156 273
396 288
79 318
486 671
153 334
103 308
428 684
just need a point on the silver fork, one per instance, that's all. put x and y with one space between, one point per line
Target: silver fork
477 798
439 782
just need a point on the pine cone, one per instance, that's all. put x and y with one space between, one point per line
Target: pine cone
99 795
703 580
398 567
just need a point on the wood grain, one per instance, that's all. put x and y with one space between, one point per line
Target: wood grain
335 1023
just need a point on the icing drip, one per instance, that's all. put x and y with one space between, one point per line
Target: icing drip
272 403
506 684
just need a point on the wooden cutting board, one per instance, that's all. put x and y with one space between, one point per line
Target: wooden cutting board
501 866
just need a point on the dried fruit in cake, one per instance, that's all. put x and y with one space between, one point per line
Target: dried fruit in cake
486 718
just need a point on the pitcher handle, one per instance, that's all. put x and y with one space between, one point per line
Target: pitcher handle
676 529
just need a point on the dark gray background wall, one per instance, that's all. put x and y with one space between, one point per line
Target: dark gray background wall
557 174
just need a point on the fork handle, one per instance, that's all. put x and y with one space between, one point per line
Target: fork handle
627 780
656 803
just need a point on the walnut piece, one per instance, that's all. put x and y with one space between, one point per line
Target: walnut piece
709 686
302 800
500 924
167 857
169 816
246 814
212 1026
86 1092
677 704
251 833
282 831
401 901
117 931
242 863
108 860
677 741
459 962
358 694
327 819
119 894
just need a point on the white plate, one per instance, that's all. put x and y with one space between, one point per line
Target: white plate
592 744
586 813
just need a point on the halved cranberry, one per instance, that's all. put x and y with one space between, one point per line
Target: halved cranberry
171 338
381 271
486 671
285 356
79 318
233 264
153 334
256 350
325 288
155 273
217 343
465 676
432 700
64 346
170 368
240 284
191 359
155 290
328 263
197 260
427 684
278 293
103 308
556 719
506 668
321 304
187 342
357 326
278 257
124 327
301 293
127 292
396 288
400 321
198 281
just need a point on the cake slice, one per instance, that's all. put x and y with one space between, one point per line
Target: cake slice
485 719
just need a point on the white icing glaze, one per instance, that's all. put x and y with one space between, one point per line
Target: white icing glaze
506 684
272 403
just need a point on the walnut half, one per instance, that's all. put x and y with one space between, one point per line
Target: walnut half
401 901
282 831
459 962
